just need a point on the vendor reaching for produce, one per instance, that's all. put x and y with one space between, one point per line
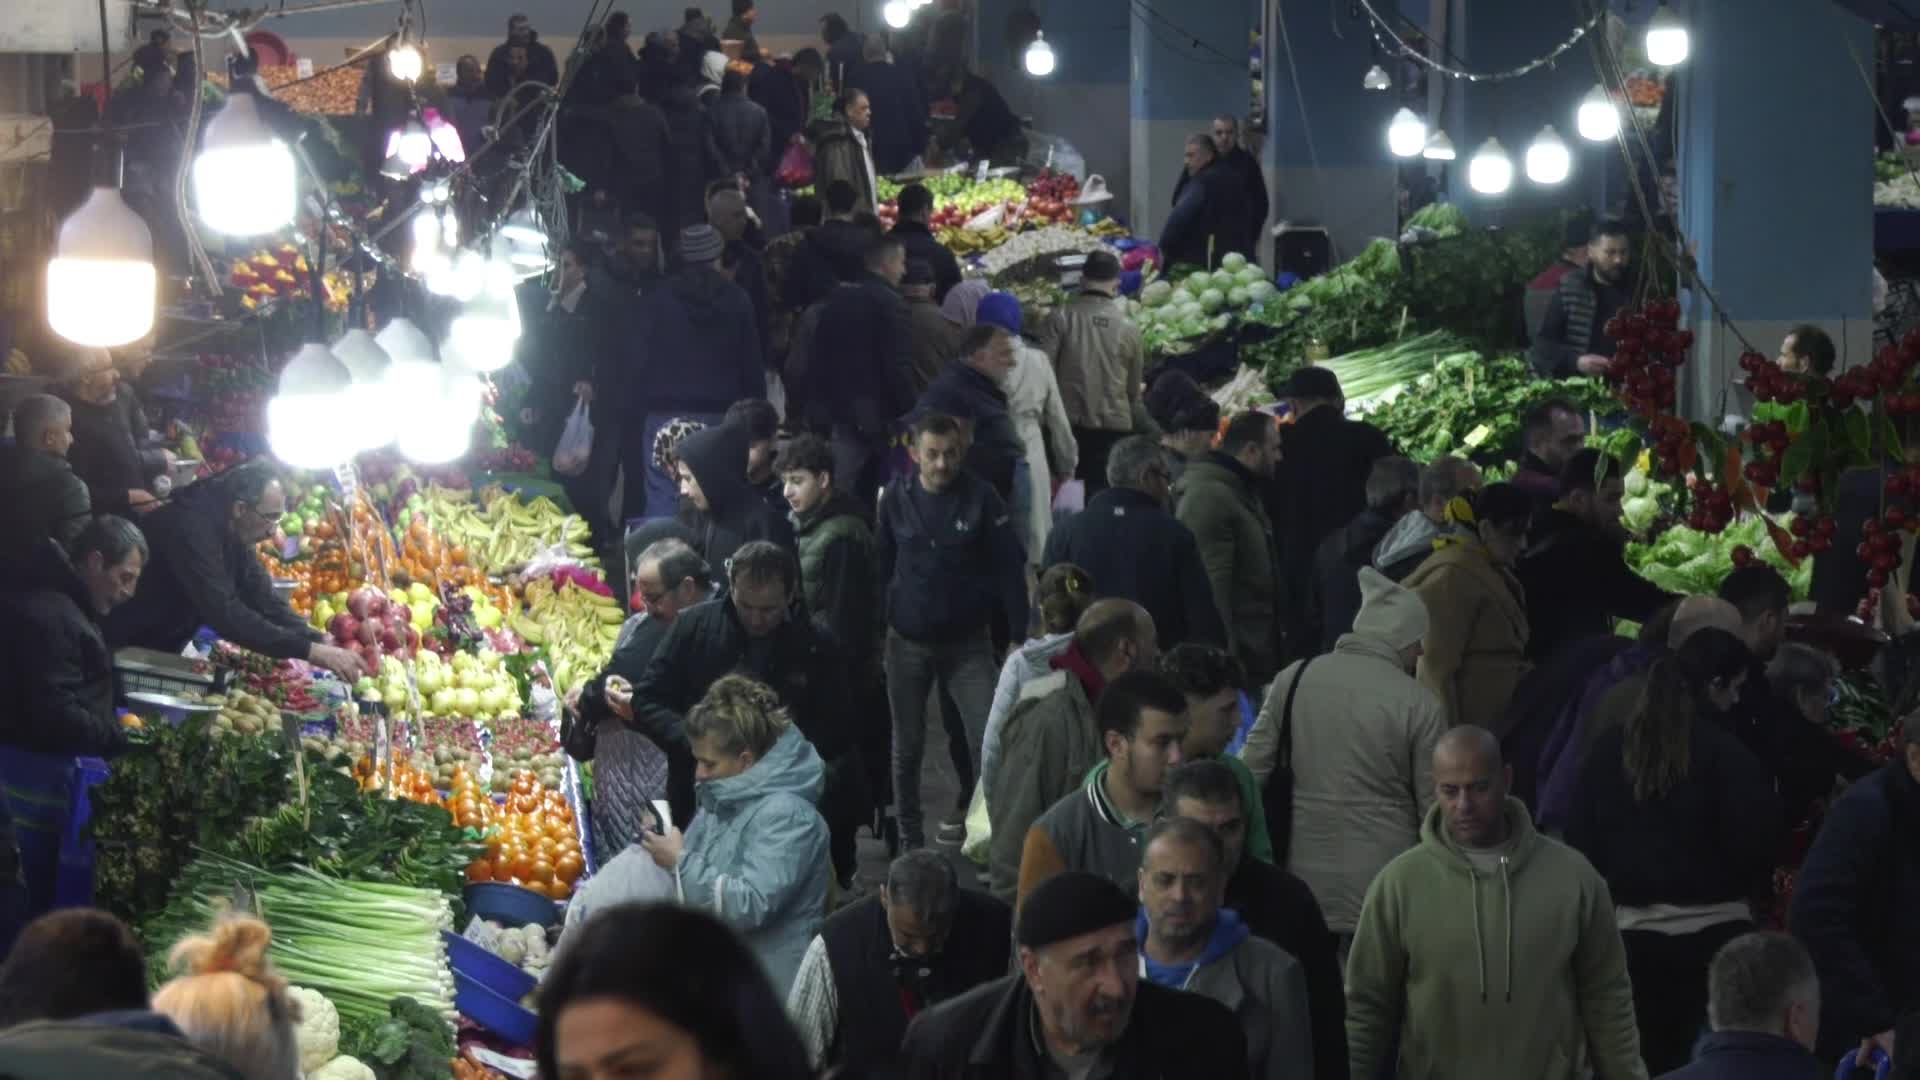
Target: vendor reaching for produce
1572 339
1211 215
205 573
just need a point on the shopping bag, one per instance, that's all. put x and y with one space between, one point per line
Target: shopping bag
575 449
796 166
1071 498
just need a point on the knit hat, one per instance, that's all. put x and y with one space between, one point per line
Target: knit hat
1389 611
701 244
1071 904
962 300
919 272
1001 310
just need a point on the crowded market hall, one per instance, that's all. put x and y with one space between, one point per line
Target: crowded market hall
960 540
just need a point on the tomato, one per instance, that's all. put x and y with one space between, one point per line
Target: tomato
481 870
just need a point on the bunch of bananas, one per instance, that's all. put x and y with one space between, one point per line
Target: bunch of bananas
1108 229
973 241
501 532
578 627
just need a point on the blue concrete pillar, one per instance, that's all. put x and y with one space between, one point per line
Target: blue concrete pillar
1188 63
1774 174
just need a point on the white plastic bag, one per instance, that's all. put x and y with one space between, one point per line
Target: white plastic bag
1071 498
575 449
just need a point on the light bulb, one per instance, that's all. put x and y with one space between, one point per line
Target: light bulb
1376 79
897 13
371 410
1667 41
426 242
461 277
1039 57
1491 170
441 431
405 62
523 227
1548 159
243 182
306 427
449 230
101 281
403 342
410 147
1599 117
482 336
1438 148
1406 134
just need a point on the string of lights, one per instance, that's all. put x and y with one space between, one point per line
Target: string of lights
1393 43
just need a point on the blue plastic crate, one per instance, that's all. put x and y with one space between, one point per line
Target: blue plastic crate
510 905
491 1011
476 963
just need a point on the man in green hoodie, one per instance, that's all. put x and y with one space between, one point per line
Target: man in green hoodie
1448 985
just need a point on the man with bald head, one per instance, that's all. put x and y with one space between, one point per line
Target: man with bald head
1489 949
1050 738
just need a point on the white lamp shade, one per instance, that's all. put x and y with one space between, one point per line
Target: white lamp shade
243 181
461 277
1548 159
370 408
1439 147
1376 79
1667 40
1491 170
402 341
442 430
482 336
410 146
1039 58
307 424
101 281
523 227
1599 117
897 13
1406 134
405 62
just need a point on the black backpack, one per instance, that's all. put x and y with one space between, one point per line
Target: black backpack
1277 796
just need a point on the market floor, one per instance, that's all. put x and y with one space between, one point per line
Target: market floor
939 790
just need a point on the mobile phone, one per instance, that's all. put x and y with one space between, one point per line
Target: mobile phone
661 815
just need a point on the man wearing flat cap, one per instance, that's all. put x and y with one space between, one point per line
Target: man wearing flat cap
1077 1008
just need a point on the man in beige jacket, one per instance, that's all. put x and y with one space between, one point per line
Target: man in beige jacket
1363 735
1099 358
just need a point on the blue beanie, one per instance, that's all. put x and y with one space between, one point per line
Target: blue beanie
1001 310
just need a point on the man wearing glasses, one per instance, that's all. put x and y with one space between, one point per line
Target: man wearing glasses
204 572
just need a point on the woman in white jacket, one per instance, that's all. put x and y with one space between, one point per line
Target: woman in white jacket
1039 417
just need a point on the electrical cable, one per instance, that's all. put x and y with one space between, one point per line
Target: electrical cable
1300 103
1380 25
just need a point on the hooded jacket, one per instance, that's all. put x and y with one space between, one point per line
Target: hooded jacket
1137 550
88 1049
735 513
1099 358
1264 986
756 855
703 347
54 663
837 575
1336 566
1520 973
42 495
1221 504
1032 660
1577 581
1405 546
1475 652
1049 742
860 361
1363 737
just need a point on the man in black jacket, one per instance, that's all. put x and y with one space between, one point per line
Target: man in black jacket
1393 492
916 210
971 390
878 963
1273 903
1550 434
38 487
1077 1006
638 146
1572 339
1241 164
1136 549
541 66
1574 569
1210 211
106 451
724 511
857 378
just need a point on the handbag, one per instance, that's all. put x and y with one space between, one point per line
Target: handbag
1277 796
579 732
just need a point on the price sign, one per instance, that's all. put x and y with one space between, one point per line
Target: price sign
303 67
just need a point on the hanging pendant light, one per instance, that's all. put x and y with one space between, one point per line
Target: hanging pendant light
101 281
483 335
897 13
403 342
409 148
371 409
1406 134
1438 148
1491 170
1376 79
1548 159
243 182
1039 58
1667 40
307 425
1598 118
405 61
443 429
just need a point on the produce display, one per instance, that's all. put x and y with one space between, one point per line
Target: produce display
1469 405
532 841
329 92
1685 561
1179 310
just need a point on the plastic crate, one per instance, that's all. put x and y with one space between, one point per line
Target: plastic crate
145 670
476 963
491 1011
47 799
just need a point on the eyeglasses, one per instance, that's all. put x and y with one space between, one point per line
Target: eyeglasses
271 519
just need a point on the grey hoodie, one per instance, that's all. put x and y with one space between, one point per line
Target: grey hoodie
1405 545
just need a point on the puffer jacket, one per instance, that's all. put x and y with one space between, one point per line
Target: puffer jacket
43 497
756 855
1363 737
735 514
1476 645
1408 544
56 673
1049 742
837 576
703 347
1221 504
838 154
99 1049
1099 358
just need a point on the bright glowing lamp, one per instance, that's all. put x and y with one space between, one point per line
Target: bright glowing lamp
427 255
1599 117
1039 57
482 336
1376 79
372 411
1439 147
409 148
897 13
306 427
442 430
101 281
461 277
1548 159
403 342
1406 134
1491 170
405 62
1667 40
243 183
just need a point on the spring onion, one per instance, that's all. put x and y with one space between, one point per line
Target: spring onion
1370 373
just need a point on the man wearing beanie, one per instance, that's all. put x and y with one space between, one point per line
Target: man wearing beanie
1039 418
702 352
1362 735
1099 357
1077 1008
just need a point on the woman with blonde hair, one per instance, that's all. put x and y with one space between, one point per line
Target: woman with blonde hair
228 1001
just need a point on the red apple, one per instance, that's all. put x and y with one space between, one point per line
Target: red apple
344 628
369 633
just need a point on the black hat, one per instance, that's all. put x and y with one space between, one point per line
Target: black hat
1311 381
1071 904
919 272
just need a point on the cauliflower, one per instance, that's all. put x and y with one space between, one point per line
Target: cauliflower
319 1030
342 1068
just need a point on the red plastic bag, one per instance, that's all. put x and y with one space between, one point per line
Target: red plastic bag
796 166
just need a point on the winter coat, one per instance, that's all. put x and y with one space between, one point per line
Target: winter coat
1264 986
106 452
703 349
952 562
936 343
55 667
1278 907
1520 973
541 67
839 154
560 348
693 161
1853 909
1098 358
1047 745
43 497
1748 1055
858 367
1253 181
773 88
1542 699
1029 662
920 244
1083 831
1211 219
1476 644
1577 581
756 855
743 135
735 514
199 574
641 145
988 1034
1138 551
1363 737
1336 572
1319 485
837 576
1405 546
1574 324
995 452
1221 505
1033 401
899 128
88 1049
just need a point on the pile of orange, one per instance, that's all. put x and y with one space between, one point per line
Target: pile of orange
531 841
407 782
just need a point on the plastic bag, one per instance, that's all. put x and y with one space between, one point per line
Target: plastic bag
796 166
575 449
